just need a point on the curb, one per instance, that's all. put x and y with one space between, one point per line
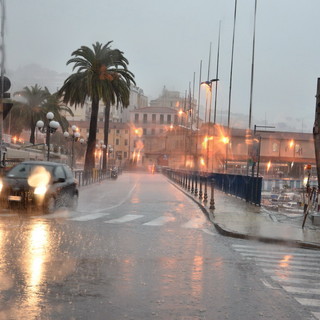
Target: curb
232 234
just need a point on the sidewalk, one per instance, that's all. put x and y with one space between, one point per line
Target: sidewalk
236 218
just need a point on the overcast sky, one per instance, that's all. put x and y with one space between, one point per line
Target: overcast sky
165 40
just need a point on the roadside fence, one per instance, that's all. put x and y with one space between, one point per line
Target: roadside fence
198 183
89 177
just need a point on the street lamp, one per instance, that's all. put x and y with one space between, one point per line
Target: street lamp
50 127
74 137
208 83
100 147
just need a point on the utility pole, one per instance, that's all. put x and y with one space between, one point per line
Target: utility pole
316 132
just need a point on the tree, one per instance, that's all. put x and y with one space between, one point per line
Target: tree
30 110
101 75
37 102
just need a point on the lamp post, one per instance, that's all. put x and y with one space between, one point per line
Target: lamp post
50 127
208 83
74 137
100 147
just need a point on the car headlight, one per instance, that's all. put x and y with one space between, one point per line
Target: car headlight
1 185
40 190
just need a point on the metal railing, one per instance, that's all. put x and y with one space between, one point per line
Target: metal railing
198 183
89 177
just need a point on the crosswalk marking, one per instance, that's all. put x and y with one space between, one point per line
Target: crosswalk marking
297 252
295 280
283 261
268 264
316 315
292 273
297 271
160 221
308 302
90 216
277 255
298 290
126 218
194 223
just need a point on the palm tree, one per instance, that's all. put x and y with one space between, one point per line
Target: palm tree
102 74
31 109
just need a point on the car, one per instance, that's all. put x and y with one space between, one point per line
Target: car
40 185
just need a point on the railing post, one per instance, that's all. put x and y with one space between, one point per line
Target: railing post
212 204
192 182
196 185
200 188
205 197
189 177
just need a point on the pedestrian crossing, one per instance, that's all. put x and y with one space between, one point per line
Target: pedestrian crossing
295 270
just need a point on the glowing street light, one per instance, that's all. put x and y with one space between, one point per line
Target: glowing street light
51 126
74 137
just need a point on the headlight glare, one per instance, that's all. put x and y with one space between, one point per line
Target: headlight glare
40 190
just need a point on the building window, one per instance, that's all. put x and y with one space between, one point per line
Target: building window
154 118
275 147
125 154
136 117
145 118
126 131
126 142
298 149
169 118
144 131
161 118
117 131
117 142
153 131
175 119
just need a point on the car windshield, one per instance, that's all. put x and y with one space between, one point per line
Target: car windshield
24 170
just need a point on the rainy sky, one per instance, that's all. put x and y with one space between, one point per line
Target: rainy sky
165 41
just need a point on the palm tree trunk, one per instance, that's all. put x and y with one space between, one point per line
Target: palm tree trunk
106 135
32 134
89 163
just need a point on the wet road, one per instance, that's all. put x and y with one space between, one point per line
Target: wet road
136 248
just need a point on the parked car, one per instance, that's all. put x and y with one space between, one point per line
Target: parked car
39 184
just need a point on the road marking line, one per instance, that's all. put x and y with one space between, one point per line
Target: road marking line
279 262
268 285
309 302
121 202
194 223
316 314
277 256
302 252
126 218
292 273
209 232
295 280
298 290
278 253
291 268
91 216
159 221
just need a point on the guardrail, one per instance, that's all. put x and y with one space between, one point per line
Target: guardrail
95 175
244 187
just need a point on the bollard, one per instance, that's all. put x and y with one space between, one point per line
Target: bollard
212 204
196 186
189 177
200 188
205 197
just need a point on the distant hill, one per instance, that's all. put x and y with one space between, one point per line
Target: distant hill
32 74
